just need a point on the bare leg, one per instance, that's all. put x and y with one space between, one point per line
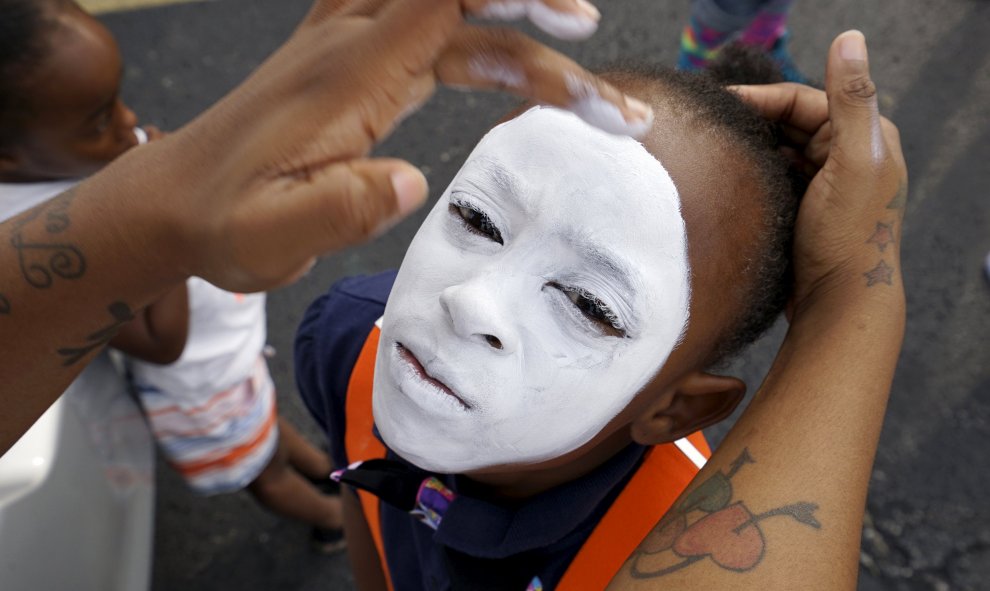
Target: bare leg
286 492
303 455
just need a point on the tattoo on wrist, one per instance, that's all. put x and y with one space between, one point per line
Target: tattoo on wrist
882 273
882 236
121 314
41 255
4 305
710 523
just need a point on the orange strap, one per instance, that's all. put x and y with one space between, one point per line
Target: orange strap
663 475
359 440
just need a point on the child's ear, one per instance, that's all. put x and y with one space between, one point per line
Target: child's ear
696 401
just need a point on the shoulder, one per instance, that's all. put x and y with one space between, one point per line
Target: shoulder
371 290
348 309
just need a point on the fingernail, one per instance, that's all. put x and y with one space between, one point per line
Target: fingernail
570 26
589 10
639 110
410 187
852 47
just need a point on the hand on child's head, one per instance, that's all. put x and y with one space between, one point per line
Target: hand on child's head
73 121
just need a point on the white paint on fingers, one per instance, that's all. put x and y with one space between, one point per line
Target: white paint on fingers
497 69
563 25
589 105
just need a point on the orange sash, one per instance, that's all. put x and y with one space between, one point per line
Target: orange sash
660 479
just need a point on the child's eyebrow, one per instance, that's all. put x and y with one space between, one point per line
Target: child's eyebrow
603 258
104 106
496 174
598 255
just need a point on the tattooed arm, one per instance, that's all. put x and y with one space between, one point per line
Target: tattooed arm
248 194
780 504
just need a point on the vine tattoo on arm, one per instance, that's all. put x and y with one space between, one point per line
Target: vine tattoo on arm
121 314
41 253
710 523
44 254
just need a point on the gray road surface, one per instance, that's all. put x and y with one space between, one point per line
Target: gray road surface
928 526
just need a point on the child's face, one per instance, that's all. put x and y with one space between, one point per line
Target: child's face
546 288
76 121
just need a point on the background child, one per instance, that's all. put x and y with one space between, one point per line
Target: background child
212 407
756 23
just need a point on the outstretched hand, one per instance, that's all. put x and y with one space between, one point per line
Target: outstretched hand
849 224
277 173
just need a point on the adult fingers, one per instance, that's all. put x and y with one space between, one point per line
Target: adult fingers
852 102
796 105
505 59
344 204
408 37
414 31
564 19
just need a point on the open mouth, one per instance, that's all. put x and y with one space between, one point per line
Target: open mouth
407 356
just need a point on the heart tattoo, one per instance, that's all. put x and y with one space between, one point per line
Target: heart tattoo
728 534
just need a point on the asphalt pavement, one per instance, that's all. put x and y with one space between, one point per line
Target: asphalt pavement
928 523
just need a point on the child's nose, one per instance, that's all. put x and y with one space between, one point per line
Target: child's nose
478 314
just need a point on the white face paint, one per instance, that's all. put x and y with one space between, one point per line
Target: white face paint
544 290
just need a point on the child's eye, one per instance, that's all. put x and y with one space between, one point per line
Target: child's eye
594 309
477 221
102 123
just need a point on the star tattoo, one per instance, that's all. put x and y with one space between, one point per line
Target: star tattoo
882 236
882 273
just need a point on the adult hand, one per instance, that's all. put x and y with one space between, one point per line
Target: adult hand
278 173
848 227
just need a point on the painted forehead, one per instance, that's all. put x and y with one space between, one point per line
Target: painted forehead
553 165
549 137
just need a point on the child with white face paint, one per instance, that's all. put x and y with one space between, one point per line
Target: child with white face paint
541 356
544 290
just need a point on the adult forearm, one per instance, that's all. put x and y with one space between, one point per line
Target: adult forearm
72 271
780 504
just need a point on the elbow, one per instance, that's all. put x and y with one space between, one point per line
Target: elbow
171 353
166 353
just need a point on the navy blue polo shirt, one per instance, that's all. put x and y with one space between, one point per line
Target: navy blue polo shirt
482 543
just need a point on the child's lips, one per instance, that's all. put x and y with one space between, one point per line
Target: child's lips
408 356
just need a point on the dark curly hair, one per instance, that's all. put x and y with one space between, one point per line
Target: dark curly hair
703 100
24 29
